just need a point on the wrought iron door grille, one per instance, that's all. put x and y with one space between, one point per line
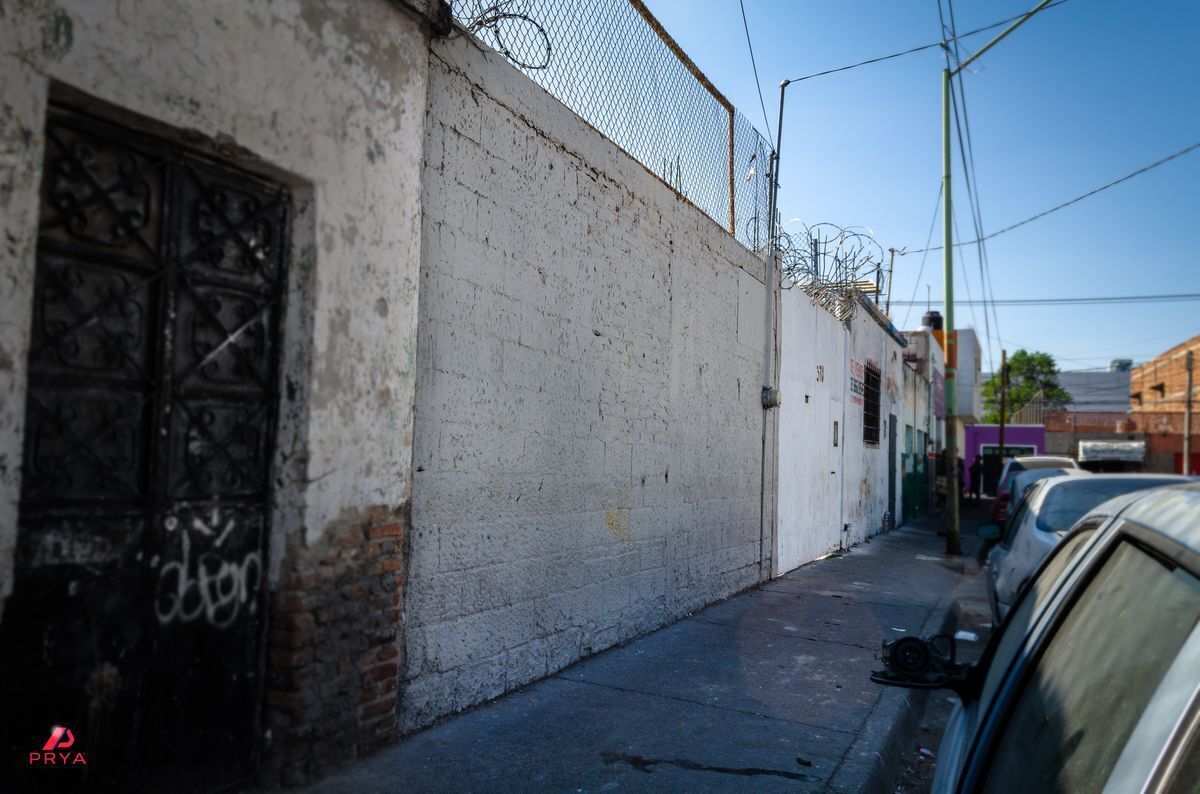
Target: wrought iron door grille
150 426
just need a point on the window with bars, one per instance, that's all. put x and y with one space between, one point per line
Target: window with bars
871 404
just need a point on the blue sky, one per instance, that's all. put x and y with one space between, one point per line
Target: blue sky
1080 95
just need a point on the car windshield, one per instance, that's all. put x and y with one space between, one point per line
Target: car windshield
1021 483
1067 503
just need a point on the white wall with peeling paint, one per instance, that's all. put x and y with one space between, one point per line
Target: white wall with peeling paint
833 492
589 426
327 95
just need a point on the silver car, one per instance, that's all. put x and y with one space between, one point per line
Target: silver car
1043 514
1093 681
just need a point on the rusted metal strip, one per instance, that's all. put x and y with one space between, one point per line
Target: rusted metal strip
732 220
680 54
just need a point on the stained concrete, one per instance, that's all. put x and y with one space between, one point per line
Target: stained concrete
588 460
767 690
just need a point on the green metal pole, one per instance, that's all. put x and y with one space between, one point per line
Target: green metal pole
1006 31
953 542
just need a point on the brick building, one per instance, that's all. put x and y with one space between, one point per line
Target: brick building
1158 402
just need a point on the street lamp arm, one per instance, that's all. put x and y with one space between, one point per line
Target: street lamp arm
996 40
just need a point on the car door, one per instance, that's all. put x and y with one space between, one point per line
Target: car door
1074 700
999 656
999 598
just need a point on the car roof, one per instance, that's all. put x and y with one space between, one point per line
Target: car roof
1172 510
1071 476
1032 476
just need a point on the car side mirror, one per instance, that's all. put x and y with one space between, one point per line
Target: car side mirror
988 531
915 663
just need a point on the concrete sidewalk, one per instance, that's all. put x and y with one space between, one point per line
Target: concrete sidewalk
767 690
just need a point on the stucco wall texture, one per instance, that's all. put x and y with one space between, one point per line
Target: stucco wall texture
329 97
823 487
588 446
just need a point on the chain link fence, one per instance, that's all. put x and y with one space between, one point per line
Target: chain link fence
611 62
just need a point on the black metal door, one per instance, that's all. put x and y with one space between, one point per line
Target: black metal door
137 613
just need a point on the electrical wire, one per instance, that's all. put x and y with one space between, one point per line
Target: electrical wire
967 177
1066 204
985 271
969 302
936 204
918 49
754 66
1106 300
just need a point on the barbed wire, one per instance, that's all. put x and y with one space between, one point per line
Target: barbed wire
515 35
833 265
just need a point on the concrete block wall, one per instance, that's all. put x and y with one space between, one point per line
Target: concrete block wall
832 496
587 457
865 490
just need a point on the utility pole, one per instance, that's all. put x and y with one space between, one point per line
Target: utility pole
887 309
953 541
1003 399
1187 420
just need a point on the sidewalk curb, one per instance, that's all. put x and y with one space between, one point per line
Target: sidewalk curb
873 760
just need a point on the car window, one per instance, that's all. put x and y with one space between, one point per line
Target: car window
1043 586
1009 637
1079 704
1159 721
1064 505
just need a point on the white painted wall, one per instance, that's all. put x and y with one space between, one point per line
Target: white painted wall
823 488
813 351
589 435
968 387
328 96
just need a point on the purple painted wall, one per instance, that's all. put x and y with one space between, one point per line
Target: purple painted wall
979 436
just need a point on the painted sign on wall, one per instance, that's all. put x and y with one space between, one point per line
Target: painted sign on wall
939 395
857 382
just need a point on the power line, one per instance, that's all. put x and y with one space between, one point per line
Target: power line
754 65
1175 297
985 271
970 302
917 49
937 203
1075 200
974 207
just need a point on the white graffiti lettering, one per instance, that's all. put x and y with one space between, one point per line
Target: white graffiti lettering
215 589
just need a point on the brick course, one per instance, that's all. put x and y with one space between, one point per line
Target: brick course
334 649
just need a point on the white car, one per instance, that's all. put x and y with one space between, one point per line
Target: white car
1005 498
1092 683
1042 516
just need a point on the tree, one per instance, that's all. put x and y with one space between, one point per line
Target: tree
1028 373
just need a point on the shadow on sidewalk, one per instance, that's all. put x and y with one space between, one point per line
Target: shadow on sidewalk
766 690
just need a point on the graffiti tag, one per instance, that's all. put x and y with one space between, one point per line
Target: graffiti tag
213 588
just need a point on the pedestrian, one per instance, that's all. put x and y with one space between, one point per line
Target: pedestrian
977 478
962 483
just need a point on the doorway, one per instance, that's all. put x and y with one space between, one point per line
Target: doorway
137 616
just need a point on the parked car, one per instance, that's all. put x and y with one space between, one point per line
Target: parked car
1041 517
1021 481
1092 683
1011 468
